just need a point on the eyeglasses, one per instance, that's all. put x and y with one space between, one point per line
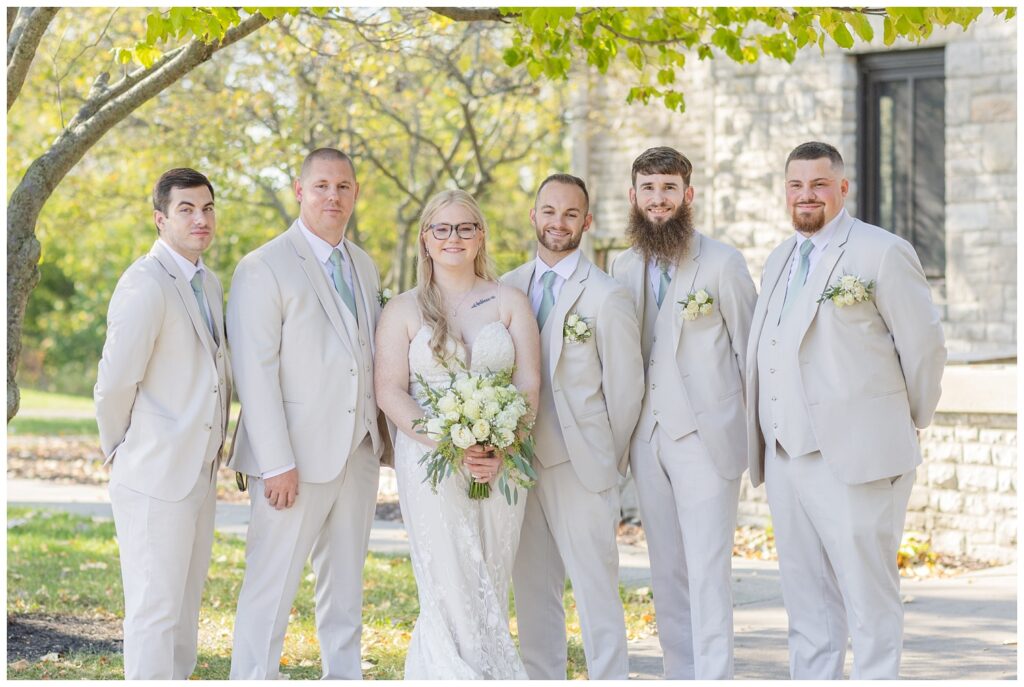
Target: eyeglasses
442 232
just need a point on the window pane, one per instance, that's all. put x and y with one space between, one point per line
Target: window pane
929 185
894 156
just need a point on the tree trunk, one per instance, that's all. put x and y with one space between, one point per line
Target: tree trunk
104 109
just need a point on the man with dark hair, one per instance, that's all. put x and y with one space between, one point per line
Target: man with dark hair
301 317
694 298
162 396
845 359
589 402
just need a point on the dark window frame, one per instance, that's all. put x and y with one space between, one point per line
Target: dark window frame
873 71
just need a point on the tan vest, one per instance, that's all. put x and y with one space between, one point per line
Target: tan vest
782 413
547 434
220 410
360 338
665 401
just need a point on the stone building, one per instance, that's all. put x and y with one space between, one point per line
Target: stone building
928 133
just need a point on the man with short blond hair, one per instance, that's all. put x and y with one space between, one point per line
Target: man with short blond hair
301 318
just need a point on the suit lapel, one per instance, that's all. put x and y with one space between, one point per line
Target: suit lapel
522 277
682 285
818 280
571 291
314 273
188 297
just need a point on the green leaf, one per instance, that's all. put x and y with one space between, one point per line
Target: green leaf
636 56
888 32
841 35
861 25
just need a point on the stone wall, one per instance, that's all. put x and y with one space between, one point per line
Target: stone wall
742 120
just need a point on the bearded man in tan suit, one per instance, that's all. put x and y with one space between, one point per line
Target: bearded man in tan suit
694 299
301 317
162 397
845 359
589 402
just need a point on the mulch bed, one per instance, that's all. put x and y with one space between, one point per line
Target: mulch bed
32 636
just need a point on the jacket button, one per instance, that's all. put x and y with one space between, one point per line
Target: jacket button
655 412
775 425
207 427
215 390
654 386
772 370
773 398
351 410
654 340
773 342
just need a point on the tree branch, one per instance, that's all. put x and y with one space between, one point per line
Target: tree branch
21 48
473 13
12 16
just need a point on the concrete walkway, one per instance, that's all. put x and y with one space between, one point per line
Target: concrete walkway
961 628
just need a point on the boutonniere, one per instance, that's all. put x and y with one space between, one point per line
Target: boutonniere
848 290
384 295
576 329
697 304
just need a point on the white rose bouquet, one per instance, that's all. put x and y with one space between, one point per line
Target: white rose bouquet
485 409
849 290
576 329
699 304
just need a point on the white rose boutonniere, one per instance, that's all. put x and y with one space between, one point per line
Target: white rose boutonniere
697 304
384 295
849 290
576 329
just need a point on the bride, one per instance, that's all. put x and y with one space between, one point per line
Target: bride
462 549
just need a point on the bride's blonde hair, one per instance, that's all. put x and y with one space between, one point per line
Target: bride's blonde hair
428 295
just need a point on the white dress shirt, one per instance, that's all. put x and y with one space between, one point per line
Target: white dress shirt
654 274
820 239
563 268
322 251
189 271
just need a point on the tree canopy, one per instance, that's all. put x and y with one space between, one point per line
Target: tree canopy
100 100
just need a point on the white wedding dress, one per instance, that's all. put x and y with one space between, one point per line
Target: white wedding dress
462 549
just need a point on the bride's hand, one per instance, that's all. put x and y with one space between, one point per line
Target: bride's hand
482 462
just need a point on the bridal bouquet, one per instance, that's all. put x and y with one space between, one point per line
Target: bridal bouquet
485 409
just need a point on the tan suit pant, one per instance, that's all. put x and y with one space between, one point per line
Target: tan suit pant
568 528
165 551
837 547
689 518
331 520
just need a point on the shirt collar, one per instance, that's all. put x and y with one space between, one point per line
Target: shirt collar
821 238
321 249
563 268
183 263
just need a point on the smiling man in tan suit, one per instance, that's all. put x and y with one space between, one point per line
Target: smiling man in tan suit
845 359
162 396
694 299
301 318
590 398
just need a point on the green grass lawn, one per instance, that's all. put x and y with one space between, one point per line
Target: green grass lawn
45 400
65 565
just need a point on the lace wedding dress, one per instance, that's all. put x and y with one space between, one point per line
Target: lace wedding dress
462 549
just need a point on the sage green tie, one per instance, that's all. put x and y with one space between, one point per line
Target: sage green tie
663 285
801 275
340 285
547 299
197 289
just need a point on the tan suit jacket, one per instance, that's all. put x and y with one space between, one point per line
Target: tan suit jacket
298 363
596 385
162 379
701 386
869 372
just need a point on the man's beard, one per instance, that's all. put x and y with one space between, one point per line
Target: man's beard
665 241
809 224
570 242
